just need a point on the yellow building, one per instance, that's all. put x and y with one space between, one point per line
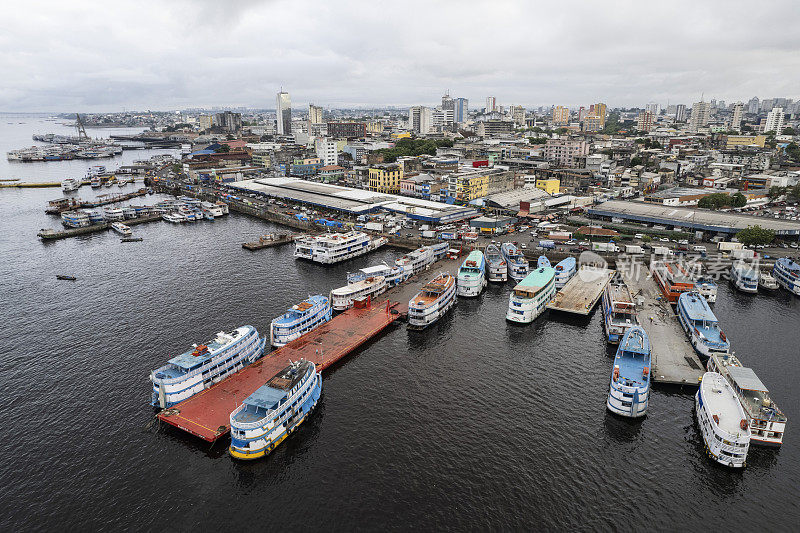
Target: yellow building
745 140
403 135
550 186
560 115
385 178
599 110
468 186
374 126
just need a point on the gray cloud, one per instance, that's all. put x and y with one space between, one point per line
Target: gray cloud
92 56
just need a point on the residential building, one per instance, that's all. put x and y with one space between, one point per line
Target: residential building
314 115
327 151
560 116
565 152
680 113
645 121
205 122
347 130
375 126
330 173
550 186
745 140
467 186
753 105
736 118
448 102
385 178
460 110
774 121
652 107
442 119
592 123
494 127
227 122
491 104
305 168
599 110
283 111
518 115
701 115
419 119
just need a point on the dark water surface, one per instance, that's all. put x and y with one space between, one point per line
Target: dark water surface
472 424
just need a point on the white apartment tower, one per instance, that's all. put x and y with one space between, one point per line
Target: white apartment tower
283 110
326 150
774 121
491 104
419 119
701 115
736 119
314 114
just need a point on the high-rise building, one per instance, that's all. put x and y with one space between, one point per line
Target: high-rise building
599 110
283 110
645 121
701 114
460 110
652 107
314 114
560 116
721 104
447 102
347 130
680 113
518 115
753 105
442 119
774 121
592 123
419 119
227 121
736 119
491 104
327 151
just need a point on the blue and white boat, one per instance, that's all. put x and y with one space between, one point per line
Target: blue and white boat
300 319
274 410
516 262
701 325
496 269
205 364
471 279
708 288
565 269
722 421
531 295
619 310
787 273
745 277
629 390
392 275
417 260
542 262
439 250
75 219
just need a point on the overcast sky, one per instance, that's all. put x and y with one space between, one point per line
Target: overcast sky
173 54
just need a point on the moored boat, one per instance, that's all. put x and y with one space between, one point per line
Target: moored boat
672 278
745 277
205 364
343 297
432 302
619 309
122 229
787 273
496 267
565 269
175 218
274 410
75 219
722 421
300 319
707 288
531 295
113 213
417 260
393 275
629 390
333 248
515 261
767 282
471 279
70 184
767 421
701 325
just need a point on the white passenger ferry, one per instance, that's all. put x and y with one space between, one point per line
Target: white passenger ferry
274 410
211 211
619 310
432 302
744 277
701 325
300 319
787 273
332 248
629 391
70 184
767 282
343 297
205 364
417 260
722 421
393 275
113 213
496 267
516 262
767 421
707 288
75 219
122 229
531 295
565 269
471 279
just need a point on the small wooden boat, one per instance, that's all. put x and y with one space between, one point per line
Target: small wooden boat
131 239
65 278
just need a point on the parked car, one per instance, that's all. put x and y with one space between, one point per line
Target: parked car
663 239
638 236
571 242
585 243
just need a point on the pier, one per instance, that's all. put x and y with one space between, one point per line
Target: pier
52 234
267 241
68 204
206 415
582 292
8 184
674 361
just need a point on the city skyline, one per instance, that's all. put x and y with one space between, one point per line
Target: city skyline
204 54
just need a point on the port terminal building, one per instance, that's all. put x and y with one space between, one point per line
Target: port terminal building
351 201
689 219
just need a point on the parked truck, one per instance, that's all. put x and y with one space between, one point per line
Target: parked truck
374 226
633 249
604 247
743 253
725 246
428 234
662 250
547 245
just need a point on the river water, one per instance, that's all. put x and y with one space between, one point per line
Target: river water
472 424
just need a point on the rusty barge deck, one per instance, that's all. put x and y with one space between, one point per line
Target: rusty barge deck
206 415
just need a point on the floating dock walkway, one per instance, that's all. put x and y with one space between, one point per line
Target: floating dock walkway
206 415
674 361
53 234
582 292
266 242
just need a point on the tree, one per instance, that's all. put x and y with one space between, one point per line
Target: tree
537 140
776 192
562 131
788 130
746 127
636 161
755 235
715 201
646 238
793 151
738 200
537 129
223 149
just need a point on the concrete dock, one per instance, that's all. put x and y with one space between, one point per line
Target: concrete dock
674 361
582 292
53 234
